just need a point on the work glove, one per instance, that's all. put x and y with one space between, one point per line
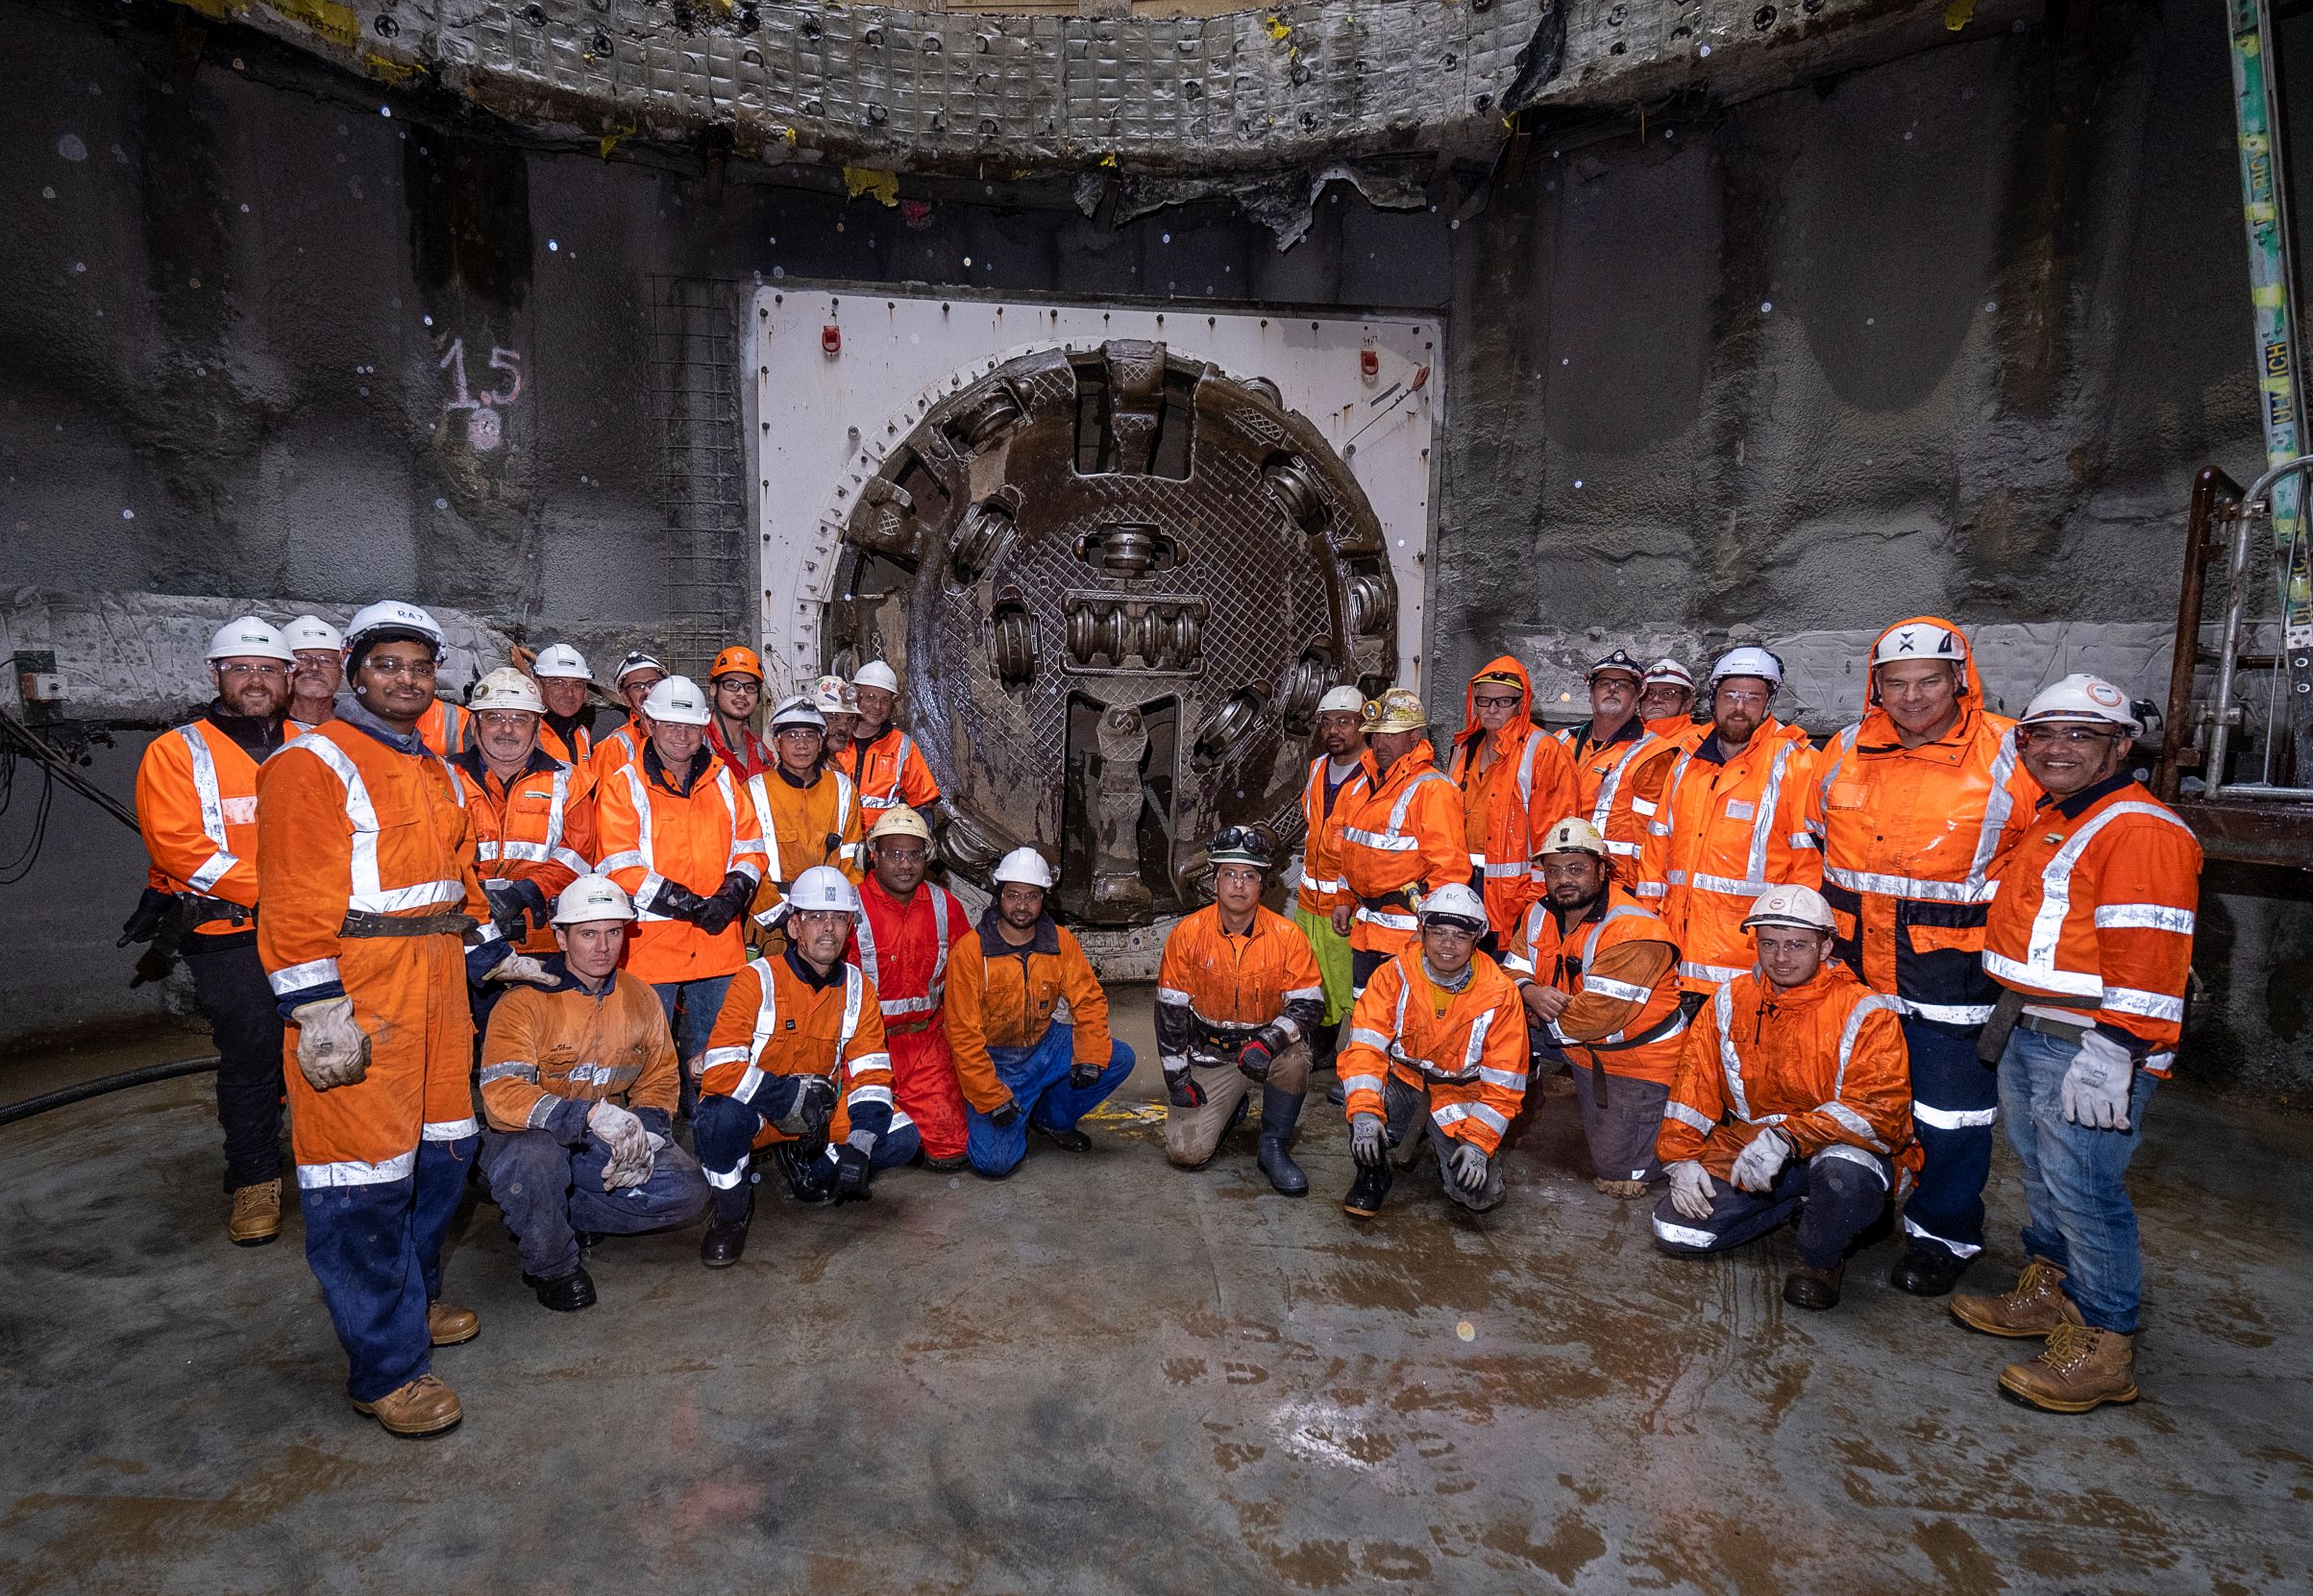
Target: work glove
729 903
515 908
1255 1057
1181 1090
1466 1168
630 1144
676 901
151 911
852 1169
1366 1140
1005 1115
634 1172
331 1049
520 967
814 1107
1691 1188
2095 1092
1761 1159
1082 1074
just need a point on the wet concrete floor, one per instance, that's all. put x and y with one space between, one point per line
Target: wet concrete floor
1106 1375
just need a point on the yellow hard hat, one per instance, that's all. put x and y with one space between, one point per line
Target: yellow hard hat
1399 709
899 821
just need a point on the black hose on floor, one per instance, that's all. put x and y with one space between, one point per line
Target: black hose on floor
64 1096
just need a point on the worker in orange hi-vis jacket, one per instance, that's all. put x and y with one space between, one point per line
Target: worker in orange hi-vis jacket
1515 779
1793 1096
634 679
2091 936
373 923
1606 749
1438 1040
1340 763
533 814
881 759
1398 834
196 808
564 683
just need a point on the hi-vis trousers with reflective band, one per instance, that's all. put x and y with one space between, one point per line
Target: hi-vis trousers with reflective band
381 1163
1954 1099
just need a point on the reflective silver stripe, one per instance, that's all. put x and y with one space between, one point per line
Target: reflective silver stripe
1612 785
866 1063
725 1179
1953 1118
744 853
1508 1080
630 860
1957 1249
1393 840
1686 1115
1836 753
1684 1236
1453 1114
725 1055
354 1171
2016 970
1615 989
645 852
872 1093
1949 1014
2153 1005
422 895
1361 1083
1495 873
760 795
1475 1048
314 972
1650 888
450 1130
509 1072
1368 1037
367 892
212 811
2039 967
1870 1004
1852 1155
1731 1063
863 936
1909 886
1710 972
1998 806
1305 994
2144 917
541 1112
1172 994
1851 1122
939 962
1623 850
1730 886
1377 839
1387 919
1477 860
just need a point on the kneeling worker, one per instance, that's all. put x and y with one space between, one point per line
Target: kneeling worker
1794 1094
907 931
1438 1029
796 1029
1600 975
577 1093
1237 997
1028 1025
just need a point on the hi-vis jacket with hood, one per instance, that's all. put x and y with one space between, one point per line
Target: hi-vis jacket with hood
1527 786
1910 837
1395 836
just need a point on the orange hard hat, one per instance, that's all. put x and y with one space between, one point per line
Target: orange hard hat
736 661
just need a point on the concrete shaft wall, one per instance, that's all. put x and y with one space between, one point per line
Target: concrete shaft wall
1946 334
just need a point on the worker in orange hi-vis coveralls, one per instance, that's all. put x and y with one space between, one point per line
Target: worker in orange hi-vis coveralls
1793 1096
1438 1031
908 930
1516 778
375 922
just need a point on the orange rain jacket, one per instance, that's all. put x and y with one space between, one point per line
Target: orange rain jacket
1621 968
351 823
538 829
1396 837
1909 837
1321 884
447 728
2094 915
653 830
889 770
1725 831
803 826
1215 991
1604 788
782 1017
552 1053
1527 787
999 995
196 809
1471 1058
576 750
1824 1063
619 748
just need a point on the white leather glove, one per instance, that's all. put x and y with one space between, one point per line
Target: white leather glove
1366 1140
520 967
630 1144
331 1049
1756 1166
636 1173
1691 1188
1467 1167
2096 1088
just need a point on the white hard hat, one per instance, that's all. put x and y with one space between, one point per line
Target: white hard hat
1749 660
251 637
1342 701
797 712
2083 697
592 897
1667 669
899 821
1455 905
561 660
678 701
1025 866
392 615
506 688
635 660
1917 640
832 695
1792 905
1572 835
823 887
877 674
312 632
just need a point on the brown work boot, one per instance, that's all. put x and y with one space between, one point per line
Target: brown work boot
2079 1369
257 1214
2037 1305
447 1324
1621 1187
425 1407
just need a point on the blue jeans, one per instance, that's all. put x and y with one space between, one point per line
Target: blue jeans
1037 1077
1954 1098
377 1252
699 1001
2080 1217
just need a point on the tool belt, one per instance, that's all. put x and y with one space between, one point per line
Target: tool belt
1228 1044
1670 1024
201 911
360 923
2008 1015
2063 1030
1397 900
